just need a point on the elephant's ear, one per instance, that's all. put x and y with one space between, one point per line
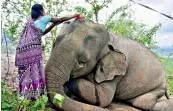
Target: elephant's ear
111 65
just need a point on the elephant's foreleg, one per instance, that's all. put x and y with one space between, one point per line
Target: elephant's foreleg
147 100
98 94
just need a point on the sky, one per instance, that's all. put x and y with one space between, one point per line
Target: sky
164 37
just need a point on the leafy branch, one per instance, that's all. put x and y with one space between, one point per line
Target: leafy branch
96 7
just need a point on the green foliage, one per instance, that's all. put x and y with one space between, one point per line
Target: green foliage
121 10
15 14
7 98
97 6
124 26
48 46
82 10
167 63
137 31
11 102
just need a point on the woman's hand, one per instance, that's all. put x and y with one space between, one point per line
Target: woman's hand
76 15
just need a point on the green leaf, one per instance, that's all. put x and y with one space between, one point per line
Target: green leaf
42 104
3 105
9 105
97 8
26 102
33 109
45 98
47 0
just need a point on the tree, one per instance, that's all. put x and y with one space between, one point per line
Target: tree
15 14
97 6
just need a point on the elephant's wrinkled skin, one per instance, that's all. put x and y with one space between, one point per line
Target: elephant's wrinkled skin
123 69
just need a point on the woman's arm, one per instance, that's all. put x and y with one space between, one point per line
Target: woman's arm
62 19
48 29
57 21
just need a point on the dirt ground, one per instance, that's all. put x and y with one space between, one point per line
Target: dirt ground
9 71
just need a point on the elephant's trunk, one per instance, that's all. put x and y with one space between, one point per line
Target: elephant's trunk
58 69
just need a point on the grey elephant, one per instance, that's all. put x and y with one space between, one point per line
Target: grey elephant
122 69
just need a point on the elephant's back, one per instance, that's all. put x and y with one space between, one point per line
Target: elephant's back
144 71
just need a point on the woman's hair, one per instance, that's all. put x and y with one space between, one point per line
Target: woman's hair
36 11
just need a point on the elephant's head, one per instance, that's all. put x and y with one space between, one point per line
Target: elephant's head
74 54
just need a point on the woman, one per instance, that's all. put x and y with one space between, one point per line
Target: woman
29 58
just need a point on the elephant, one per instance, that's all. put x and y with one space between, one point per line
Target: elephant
119 68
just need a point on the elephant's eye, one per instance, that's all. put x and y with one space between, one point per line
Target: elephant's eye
82 64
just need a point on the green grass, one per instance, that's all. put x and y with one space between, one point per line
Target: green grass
168 66
11 102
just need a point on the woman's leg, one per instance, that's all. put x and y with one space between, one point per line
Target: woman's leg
35 80
42 77
24 80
